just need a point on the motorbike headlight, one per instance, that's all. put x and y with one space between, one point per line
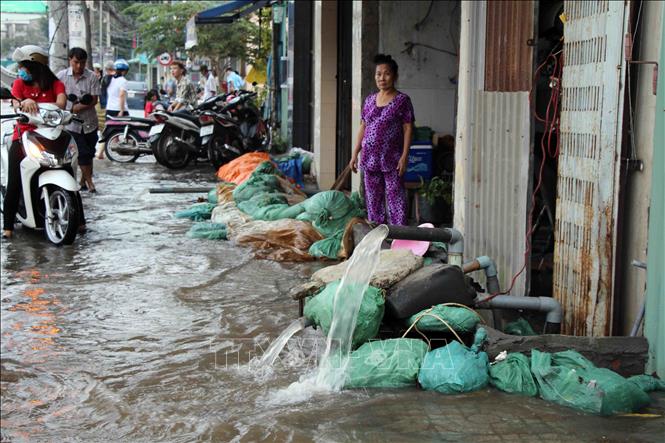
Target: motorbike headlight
35 152
51 117
72 150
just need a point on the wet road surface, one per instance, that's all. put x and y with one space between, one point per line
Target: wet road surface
137 333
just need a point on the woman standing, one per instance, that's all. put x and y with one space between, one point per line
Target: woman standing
383 144
36 83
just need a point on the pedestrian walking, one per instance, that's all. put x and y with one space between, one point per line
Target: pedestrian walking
185 93
117 91
383 144
80 81
209 85
105 82
36 83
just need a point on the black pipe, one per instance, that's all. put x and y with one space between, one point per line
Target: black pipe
415 233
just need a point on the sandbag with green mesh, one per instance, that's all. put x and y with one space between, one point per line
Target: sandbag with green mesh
569 379
319 309
454 368
256 204
513 375
212 196
460 319
519 327
277 211
208 230
328 247
329 211
391 363
197 212
648 383
257 183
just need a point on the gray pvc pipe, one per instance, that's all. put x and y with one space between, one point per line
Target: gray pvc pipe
542 304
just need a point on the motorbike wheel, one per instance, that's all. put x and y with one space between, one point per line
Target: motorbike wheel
62 227
114 146
217 155
171 154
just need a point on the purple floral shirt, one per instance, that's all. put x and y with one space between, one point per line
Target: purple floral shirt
383 142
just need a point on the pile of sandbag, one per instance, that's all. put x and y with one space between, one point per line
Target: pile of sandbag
258 206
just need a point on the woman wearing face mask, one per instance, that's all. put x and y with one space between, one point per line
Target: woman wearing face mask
36 83
384 138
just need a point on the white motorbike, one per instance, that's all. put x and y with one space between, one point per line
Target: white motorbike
50 196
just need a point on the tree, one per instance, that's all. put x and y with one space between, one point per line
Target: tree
161 27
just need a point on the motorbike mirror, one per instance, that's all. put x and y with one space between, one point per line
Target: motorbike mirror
86 99
72 97
254 83
163 92
5 94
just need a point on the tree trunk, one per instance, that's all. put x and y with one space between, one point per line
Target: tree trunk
58 34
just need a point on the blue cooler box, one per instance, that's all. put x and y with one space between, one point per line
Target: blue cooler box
420 163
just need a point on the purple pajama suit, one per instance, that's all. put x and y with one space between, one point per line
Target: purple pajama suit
382 147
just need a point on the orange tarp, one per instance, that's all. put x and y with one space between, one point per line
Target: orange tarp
239 170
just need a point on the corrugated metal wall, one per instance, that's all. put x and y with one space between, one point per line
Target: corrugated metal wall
493 135
508 56
499 178
585 231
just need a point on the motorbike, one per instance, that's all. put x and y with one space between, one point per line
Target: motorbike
182 135
50 196
126 138
239 129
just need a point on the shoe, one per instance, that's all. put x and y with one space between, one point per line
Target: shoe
92 190
6 233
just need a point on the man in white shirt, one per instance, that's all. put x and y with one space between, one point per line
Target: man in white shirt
210 85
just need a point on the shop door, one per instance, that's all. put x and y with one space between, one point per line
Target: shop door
588 176
343 134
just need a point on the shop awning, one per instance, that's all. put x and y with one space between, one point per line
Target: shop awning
230 11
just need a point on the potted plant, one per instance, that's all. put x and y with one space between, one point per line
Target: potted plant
435 200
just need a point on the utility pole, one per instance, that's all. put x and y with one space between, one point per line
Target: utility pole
58 27
88 33
100 43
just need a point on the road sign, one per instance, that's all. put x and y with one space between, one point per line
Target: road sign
165 59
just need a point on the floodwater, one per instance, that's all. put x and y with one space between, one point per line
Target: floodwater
137 333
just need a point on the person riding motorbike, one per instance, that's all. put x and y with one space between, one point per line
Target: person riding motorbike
36 83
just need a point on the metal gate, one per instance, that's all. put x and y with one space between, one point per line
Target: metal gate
590 147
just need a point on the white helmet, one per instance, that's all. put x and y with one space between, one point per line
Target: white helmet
30 53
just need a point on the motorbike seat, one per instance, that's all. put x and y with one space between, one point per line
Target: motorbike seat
185 115
132 119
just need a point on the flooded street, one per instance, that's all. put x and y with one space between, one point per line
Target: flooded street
138 333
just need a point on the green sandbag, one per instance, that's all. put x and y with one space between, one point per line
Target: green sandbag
212 196
460 319
258 202
319 309
454 368
329 211
513 375
569 379
391 363
256 184
211 231
647 383
519 327
328 247
197 212
276 212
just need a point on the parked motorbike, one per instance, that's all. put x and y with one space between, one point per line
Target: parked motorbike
50 197
126 138
239 129
182 136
